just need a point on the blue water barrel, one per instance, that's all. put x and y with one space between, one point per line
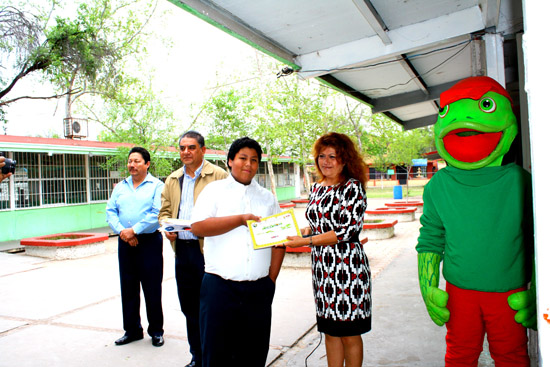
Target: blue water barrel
397 192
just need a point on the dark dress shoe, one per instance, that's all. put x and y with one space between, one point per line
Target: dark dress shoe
158 341
191 364
128 339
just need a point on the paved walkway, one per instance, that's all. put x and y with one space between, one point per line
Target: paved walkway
68 313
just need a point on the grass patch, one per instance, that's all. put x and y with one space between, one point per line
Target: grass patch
373 221
65 237
387 192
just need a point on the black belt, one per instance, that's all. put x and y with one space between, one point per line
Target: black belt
189 242
148 234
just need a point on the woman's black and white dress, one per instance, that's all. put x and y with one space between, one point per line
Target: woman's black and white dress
341 273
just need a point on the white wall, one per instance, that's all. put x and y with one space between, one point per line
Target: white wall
537 84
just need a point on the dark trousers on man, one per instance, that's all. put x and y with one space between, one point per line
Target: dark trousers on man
141 265
189 273
235 321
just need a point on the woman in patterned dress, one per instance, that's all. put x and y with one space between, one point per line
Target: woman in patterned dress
341 273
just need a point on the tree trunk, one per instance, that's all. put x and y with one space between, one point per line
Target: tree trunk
272 178
68 106
308 180
304 160
271 174
407 180
69 100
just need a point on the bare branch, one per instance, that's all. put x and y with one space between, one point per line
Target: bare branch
113 130
55 96
203 107
139 31
19 31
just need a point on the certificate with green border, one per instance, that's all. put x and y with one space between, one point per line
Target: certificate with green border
272 230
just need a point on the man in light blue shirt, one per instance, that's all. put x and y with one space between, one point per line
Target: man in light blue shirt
132 212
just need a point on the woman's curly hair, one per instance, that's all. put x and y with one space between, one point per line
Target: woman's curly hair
346 152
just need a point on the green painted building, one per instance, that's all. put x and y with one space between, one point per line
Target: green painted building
61 185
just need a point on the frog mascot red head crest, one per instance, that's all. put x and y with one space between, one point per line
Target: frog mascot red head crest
477 219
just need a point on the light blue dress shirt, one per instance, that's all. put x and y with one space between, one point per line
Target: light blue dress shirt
137 208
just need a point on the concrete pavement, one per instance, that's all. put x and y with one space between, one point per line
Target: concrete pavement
68 313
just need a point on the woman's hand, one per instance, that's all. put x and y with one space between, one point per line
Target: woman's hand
306 231
296 241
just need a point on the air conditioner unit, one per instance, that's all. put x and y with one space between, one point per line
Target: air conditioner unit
75 127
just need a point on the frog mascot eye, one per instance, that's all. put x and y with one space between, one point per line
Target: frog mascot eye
487 105
443 111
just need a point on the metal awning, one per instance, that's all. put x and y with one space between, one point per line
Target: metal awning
397 56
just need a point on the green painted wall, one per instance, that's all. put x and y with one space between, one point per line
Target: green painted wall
20 224
285 193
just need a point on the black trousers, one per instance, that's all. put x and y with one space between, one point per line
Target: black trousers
141 265
235 321
189 273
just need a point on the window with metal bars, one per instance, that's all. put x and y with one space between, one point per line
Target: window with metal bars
43 179
4 195
284 174
46 179
27 180
102 180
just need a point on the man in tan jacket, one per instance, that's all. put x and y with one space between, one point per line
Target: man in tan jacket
181 190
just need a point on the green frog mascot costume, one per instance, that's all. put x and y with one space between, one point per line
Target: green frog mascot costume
477 219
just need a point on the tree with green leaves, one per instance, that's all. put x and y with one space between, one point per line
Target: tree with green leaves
409 145
82 54
387 144
358 115
378 139
20 34
286 115
20 51
308 110
138 119
86 57
90 53
227 116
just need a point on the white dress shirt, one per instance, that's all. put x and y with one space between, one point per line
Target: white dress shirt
231 255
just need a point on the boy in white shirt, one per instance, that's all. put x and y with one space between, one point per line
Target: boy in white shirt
239 282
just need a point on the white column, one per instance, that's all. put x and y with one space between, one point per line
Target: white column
12 185
494 56
87 175
537 81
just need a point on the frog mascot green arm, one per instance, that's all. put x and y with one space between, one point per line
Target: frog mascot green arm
434 298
